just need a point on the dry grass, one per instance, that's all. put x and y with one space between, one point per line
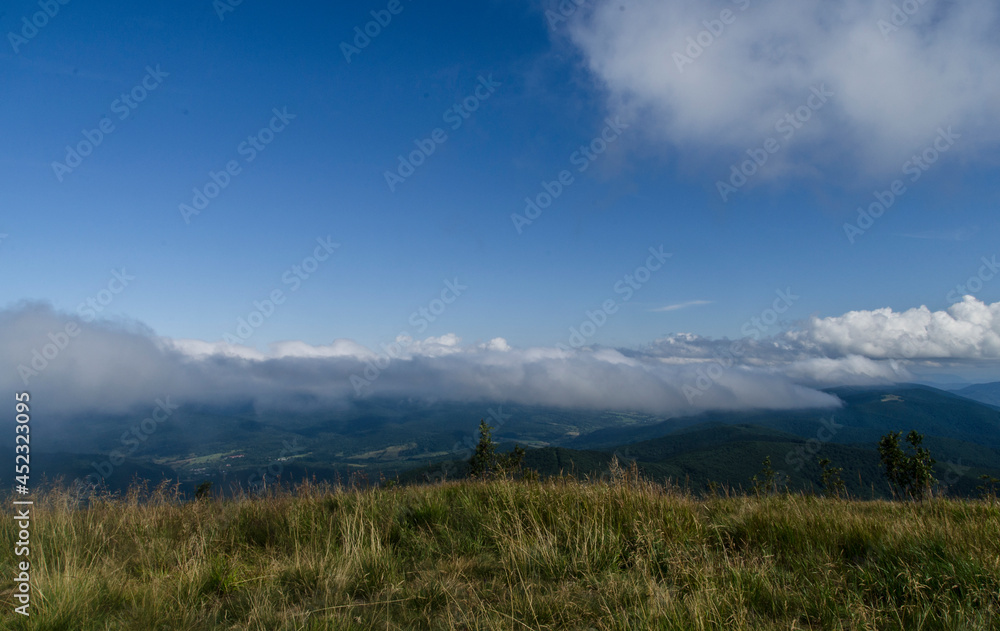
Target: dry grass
559 554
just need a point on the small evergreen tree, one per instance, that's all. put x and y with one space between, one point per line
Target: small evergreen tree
911 474
484 458
486 463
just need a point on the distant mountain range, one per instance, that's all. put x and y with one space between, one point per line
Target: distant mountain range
728 448
376 439
988 393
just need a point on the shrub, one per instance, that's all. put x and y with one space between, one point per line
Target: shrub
911 474
833 485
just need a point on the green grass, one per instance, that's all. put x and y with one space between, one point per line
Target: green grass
559 554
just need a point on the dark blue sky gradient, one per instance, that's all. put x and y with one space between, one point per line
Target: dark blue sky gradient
324 175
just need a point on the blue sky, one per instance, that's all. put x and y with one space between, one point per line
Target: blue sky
556 86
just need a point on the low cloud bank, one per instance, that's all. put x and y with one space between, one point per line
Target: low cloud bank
73 367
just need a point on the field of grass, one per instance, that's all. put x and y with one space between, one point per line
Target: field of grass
558 554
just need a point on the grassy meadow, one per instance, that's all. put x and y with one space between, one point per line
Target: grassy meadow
504 554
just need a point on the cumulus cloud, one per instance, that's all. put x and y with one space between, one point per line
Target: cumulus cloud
74 367
858 347
892 86
968 330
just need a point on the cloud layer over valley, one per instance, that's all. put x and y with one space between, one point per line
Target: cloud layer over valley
72 366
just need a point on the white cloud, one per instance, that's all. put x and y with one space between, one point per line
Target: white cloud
967 330
683 305
958 234
847 371
891 91
202 349
113 368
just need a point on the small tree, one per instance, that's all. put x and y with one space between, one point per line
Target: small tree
988 489
486 463
510 463
484 458
833 486
203 491
912 473
764 482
